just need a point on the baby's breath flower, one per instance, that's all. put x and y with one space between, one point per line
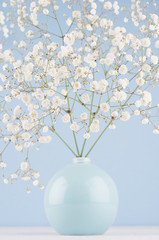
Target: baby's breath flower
125 116
157 44
66 118
24 166
145 121
6 180
123 69
74 127
90 74
94 86
35 182
83 116
85 98
104 107
86 135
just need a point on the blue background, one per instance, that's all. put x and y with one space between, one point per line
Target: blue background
130 154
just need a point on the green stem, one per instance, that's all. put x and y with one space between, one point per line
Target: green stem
89 124
98 138
64 143
4 148
110 122
66 88
68 103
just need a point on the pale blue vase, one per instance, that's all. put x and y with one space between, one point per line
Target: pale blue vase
81 199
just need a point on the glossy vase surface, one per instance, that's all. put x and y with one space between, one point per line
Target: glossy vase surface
81 199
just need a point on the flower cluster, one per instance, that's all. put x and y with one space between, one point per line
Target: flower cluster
72 62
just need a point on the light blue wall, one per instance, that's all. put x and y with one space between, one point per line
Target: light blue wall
130 154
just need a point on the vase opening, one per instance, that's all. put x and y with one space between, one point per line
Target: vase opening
81 160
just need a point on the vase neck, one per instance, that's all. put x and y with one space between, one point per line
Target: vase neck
81 160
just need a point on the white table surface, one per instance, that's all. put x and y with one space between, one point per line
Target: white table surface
47 233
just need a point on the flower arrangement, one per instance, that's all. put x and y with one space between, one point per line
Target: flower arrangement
83 66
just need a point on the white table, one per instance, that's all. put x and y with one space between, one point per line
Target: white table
47 233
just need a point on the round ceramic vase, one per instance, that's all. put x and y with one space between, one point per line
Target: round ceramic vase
81 199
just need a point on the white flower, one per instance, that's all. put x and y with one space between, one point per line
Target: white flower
33 114
5 118
154 60
19 147
41 186
39 95
8 98
109 59
145 42
102 85
17 110
3 165
83 116
45 139
56 101
26 178
76 14
1 88
95 126
45 129
137 112
66 118
129 57
35 182
2 18
146 99
120 96
45 11
86 135
6 181
46 103
145 121
138 103
114 114
85 98
74 127
26 98
123 69
107 5
90 59
56 7
140 81
104 107
26 125
156 131
126 19
69 21
125 116
27 144
157 44
12 127
28 191
36 174
146 67
105 23
94 86
112 126
14 176
26 136
44 3
24 166
76 86
123 82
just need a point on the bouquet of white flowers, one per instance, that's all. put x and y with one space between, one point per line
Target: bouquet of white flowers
88 63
